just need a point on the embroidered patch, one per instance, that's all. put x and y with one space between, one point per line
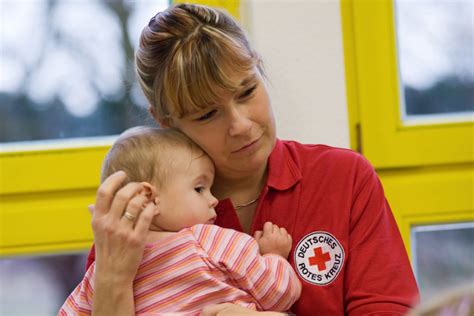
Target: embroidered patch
319 258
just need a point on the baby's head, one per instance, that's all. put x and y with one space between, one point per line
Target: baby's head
148 154
176 171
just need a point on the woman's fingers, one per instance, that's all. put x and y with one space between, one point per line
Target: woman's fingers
106 192
230 309
133 209
122 199
212 310
91 208
142 224
217 309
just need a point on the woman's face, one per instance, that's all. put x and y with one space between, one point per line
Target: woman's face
238 133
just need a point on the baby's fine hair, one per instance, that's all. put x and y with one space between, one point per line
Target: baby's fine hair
185 53
148 154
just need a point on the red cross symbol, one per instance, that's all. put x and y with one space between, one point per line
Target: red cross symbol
319 258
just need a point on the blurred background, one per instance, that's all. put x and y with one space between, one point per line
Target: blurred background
66 71
391 79
70 62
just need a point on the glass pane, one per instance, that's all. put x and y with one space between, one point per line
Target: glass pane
66 67
443 257
435 52
38 285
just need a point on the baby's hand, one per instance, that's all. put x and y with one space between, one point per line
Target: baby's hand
273 240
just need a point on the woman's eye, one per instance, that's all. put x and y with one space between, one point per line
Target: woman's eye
199 189
247 92
206 116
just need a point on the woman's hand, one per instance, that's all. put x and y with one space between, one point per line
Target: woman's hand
119 242
231 309
273 239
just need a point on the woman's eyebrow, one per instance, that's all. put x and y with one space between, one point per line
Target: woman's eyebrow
248 80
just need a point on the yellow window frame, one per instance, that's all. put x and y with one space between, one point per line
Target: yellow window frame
384 138
427 170
44 196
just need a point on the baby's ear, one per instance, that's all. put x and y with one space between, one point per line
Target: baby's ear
150 191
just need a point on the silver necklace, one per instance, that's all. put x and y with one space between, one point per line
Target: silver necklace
246 204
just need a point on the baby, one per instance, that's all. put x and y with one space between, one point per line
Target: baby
188 262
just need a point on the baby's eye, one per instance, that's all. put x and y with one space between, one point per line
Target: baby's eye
199 189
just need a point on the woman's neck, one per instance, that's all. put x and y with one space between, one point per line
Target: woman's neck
241 189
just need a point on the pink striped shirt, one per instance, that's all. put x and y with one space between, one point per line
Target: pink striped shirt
199 266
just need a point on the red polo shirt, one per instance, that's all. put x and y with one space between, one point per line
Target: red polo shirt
347 249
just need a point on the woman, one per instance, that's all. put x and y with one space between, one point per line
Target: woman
201 76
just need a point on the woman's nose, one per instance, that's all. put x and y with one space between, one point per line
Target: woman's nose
240 124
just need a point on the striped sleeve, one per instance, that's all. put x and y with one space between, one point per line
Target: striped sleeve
79 301
270 279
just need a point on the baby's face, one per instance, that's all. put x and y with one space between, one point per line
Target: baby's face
186 199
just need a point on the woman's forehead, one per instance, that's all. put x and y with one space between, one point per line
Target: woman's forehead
241 81
250 78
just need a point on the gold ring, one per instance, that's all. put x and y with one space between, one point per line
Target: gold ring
129 216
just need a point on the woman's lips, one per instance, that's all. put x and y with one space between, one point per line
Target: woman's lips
246 147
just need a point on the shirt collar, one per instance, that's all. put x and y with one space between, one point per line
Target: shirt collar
283 172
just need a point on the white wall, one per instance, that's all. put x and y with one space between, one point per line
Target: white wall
302 49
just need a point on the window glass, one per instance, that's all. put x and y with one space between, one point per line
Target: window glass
435 54
443 257
38 285
66 67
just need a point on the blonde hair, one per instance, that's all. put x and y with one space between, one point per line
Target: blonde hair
148 153
185 53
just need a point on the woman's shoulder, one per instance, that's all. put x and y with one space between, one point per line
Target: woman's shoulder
335 164
322 154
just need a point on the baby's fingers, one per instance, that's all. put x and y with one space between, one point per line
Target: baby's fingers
257 235
267 228
285 234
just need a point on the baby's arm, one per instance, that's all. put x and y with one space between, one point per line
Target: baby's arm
273 240
268 278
